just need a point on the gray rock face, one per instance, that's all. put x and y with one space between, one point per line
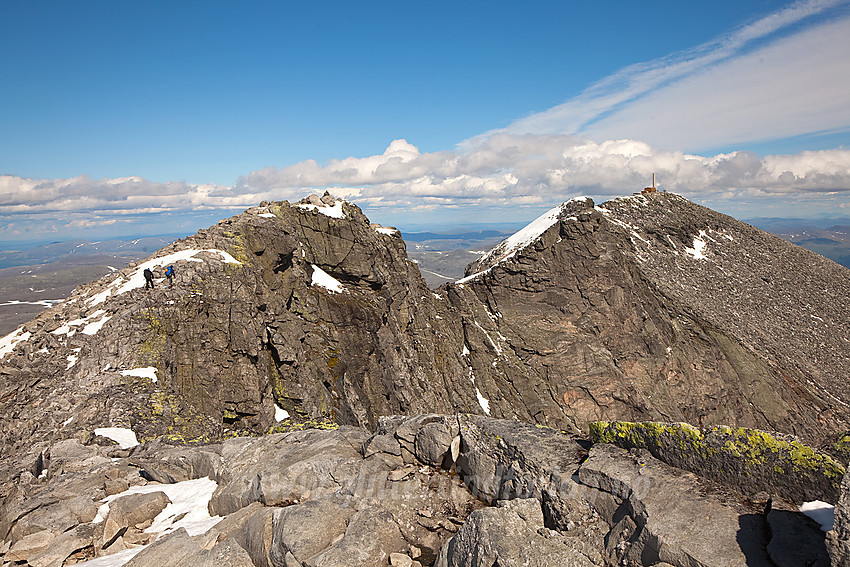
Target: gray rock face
178 549
612 312
512 534
838 539
671 516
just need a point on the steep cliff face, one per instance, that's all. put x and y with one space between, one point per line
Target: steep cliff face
305 309
653 307
641 308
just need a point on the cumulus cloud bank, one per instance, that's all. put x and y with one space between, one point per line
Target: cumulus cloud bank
502 171
507 169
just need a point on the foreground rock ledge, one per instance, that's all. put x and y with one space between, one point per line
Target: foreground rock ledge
447 490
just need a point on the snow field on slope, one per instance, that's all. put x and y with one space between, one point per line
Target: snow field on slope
522 238
10 341
93 324
137 278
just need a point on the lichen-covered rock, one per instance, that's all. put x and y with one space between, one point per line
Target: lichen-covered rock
747 460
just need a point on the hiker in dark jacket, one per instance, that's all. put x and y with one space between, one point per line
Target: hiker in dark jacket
148 278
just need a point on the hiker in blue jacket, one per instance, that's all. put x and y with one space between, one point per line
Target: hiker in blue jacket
169 273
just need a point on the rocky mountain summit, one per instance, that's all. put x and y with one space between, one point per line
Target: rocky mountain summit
307 316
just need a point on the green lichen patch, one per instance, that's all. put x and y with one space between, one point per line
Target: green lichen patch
288 425
751 459
150 350
684 439
167 417
842 447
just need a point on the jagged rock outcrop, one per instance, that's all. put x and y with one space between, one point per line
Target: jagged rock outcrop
306 309
511 534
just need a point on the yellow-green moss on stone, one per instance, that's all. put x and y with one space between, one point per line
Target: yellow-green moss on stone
757 459
287 426
683 437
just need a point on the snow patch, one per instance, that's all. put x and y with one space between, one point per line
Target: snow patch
188 509
821 512
699 246
121 435
493 344
482 401
137 278
93 327
334 211
73 357
10 341
325 280
280 414
146 372
117 559
385 230
519 240
267 215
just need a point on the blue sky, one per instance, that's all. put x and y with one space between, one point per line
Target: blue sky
124 119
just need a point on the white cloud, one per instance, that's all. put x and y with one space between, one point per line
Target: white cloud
796 86
500 170
759 82
505 169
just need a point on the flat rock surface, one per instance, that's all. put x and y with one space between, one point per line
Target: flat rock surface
682 519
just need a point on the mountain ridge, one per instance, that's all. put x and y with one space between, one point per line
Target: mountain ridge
581 322
301 371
